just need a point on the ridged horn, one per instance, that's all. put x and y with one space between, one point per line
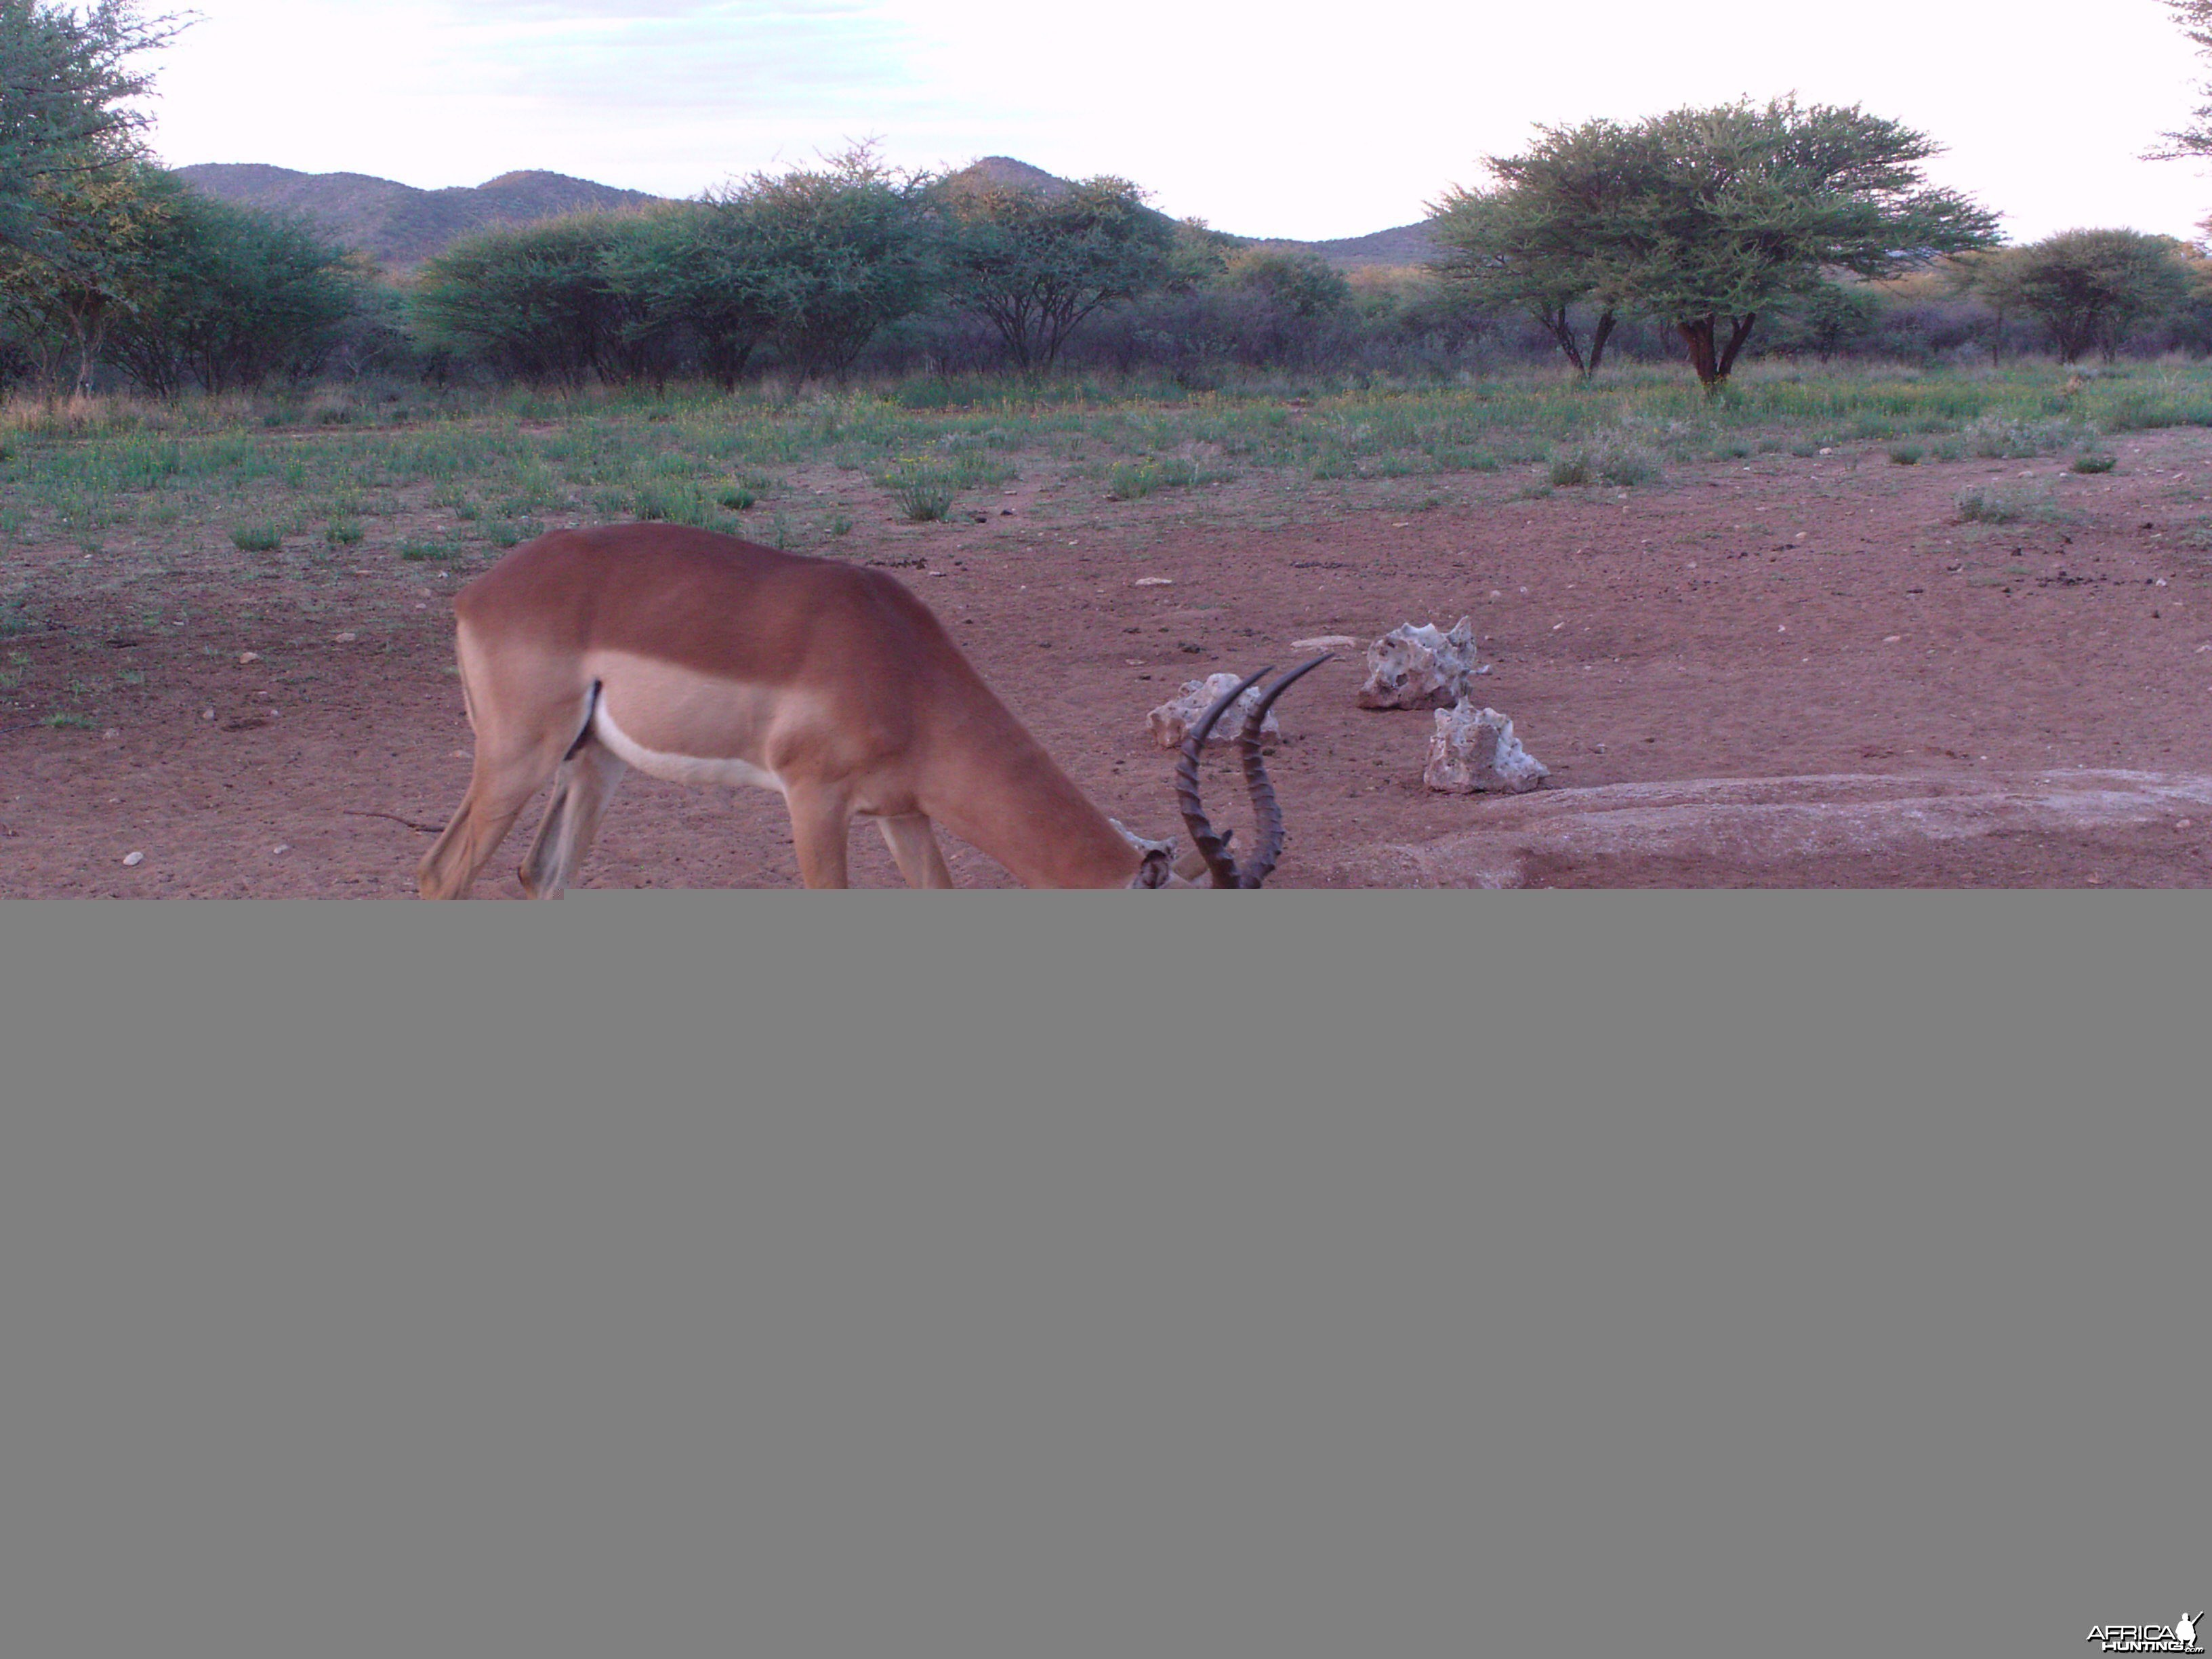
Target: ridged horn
1266 812
1211 846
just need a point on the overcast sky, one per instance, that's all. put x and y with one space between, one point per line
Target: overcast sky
1283 119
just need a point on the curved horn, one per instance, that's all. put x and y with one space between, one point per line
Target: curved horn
1212 847
1266 812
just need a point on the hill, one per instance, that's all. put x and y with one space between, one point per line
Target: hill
1003 172
402 226
398 224
1402 245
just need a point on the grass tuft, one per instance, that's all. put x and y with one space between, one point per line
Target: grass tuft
923 493
1612 458
1130 481
2009 504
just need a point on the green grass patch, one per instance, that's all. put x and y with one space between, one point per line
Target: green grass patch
923 493
257 539
1609 459
428 552
1996 437
1129 481
512 532
196 469
673 501
2009 504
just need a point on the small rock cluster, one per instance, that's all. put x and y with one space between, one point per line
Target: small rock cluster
1172 720
1474 751
1422 667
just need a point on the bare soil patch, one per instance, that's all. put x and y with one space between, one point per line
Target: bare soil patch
1818 622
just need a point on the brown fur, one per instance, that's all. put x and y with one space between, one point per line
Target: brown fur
835 678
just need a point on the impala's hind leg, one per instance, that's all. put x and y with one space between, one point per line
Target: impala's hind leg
522 730
499 789
586 781
914 844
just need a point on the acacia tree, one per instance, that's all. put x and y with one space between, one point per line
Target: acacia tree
2195 17
1705 218
92 262
2088 288
231 296
1034 264
1526 243
843 251
66 76
73 206
1737 208
537 301
699 270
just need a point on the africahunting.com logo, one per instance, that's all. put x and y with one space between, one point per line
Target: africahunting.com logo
2180 1637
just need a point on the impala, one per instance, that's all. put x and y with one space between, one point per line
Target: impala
701 658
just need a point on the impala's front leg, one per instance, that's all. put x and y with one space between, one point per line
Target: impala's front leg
914 844
821 817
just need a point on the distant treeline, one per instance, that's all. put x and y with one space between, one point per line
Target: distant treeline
840 272
1741 231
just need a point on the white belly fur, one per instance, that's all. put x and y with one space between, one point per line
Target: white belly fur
678 769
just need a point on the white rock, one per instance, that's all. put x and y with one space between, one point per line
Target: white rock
1325 642
1474 751
1149 581
1422 667
1172 720
130 861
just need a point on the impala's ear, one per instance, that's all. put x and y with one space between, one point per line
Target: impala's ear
1155 859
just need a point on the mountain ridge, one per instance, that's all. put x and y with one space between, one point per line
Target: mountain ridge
399 224
402 225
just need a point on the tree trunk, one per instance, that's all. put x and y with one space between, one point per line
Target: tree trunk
1556 321
1597 342
1739 331
725 361
1713 361
1697 334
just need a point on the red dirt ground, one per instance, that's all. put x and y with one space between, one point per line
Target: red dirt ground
1851 628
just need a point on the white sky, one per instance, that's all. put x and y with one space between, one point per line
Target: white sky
1286 119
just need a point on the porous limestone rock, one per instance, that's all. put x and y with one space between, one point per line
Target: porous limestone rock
1172 720
1474 751
1422 667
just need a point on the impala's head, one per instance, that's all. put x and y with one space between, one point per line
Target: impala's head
1157 865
